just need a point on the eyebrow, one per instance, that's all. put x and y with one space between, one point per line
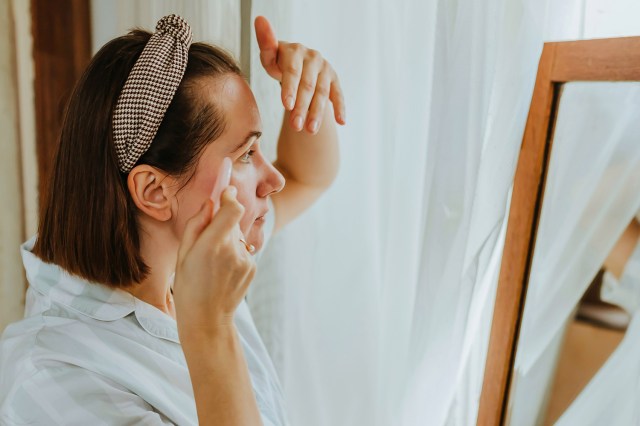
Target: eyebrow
253 134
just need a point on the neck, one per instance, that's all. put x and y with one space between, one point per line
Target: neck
158 249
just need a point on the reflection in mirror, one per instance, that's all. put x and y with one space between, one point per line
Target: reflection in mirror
580 332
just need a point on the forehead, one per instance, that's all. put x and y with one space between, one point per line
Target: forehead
233 95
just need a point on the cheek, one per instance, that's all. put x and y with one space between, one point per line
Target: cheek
186 207
190 200
246 185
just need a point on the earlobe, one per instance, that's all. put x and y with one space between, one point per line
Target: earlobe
148 188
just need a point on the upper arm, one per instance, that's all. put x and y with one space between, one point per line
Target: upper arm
70 395
293 200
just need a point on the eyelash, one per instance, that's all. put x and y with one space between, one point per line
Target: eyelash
248 153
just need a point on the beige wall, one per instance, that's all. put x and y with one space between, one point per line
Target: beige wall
18 171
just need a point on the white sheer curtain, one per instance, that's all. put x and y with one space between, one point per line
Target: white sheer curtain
376 304
212 21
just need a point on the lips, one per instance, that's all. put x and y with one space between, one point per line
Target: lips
261 217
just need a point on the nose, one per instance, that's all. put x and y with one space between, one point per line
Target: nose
272 181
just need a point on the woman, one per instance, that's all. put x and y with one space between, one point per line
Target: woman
109 336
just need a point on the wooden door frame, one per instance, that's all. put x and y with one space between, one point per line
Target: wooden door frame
61 32
616 59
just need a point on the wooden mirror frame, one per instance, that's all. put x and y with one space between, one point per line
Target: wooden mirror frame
615 59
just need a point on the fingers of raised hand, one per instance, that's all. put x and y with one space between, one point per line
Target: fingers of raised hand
291 63
307 87
319 101
337 99
308 80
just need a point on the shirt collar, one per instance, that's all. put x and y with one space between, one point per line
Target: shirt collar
94 300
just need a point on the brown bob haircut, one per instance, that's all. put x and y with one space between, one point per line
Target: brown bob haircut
88 221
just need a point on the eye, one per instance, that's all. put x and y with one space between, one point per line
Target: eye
247 156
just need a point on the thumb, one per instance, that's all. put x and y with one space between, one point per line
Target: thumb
268 44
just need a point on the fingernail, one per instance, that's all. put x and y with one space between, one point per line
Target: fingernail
313 125
288 102
297 122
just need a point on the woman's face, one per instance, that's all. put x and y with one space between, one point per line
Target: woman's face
253 176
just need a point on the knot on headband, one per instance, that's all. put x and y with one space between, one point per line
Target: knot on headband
176 27
149 90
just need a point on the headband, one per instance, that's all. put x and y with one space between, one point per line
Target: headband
149 89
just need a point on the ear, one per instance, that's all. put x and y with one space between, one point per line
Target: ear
151 191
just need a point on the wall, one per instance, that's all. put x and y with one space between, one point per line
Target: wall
18 170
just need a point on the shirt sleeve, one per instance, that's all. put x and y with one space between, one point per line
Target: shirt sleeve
70 395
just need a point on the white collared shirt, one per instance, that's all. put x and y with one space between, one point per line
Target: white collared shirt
88 354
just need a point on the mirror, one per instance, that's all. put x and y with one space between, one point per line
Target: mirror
565 335
582 285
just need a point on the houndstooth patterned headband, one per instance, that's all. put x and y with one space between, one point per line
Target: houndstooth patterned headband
149 89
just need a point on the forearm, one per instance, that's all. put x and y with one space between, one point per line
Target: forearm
220 379
309 159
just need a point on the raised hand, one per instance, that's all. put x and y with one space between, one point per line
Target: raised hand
307 79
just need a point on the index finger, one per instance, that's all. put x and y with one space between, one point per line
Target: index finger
225 221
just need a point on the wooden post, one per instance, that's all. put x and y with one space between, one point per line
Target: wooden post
61 51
